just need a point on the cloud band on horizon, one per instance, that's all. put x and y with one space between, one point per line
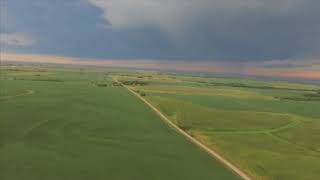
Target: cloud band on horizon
308 71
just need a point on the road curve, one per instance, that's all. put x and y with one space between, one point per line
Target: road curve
211 152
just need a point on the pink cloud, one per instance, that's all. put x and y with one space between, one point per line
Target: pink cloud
286 73
138 64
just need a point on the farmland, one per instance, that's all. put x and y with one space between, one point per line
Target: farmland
270 129
83 123
74 123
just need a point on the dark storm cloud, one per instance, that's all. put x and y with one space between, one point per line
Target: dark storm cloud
258 34
224 30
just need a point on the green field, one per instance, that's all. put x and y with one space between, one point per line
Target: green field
81 123
270 129
58 124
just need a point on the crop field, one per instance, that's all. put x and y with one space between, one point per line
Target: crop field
78 124
270 129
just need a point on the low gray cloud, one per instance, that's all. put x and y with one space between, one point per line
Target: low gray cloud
235 30
16 39
232 31
170 14
308 64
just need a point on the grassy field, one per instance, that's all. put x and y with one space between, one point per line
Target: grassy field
78 124
270 129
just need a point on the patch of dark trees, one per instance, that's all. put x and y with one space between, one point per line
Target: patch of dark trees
107 84
26 70
304 97
29 79
241 85
141 93
134 83
186 129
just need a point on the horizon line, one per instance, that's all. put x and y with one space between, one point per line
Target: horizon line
166 65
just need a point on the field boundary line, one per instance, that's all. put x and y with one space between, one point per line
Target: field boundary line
25 93
211 152
35 126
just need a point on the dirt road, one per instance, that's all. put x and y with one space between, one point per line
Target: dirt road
195 141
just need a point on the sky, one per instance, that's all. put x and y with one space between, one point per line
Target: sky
264 35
